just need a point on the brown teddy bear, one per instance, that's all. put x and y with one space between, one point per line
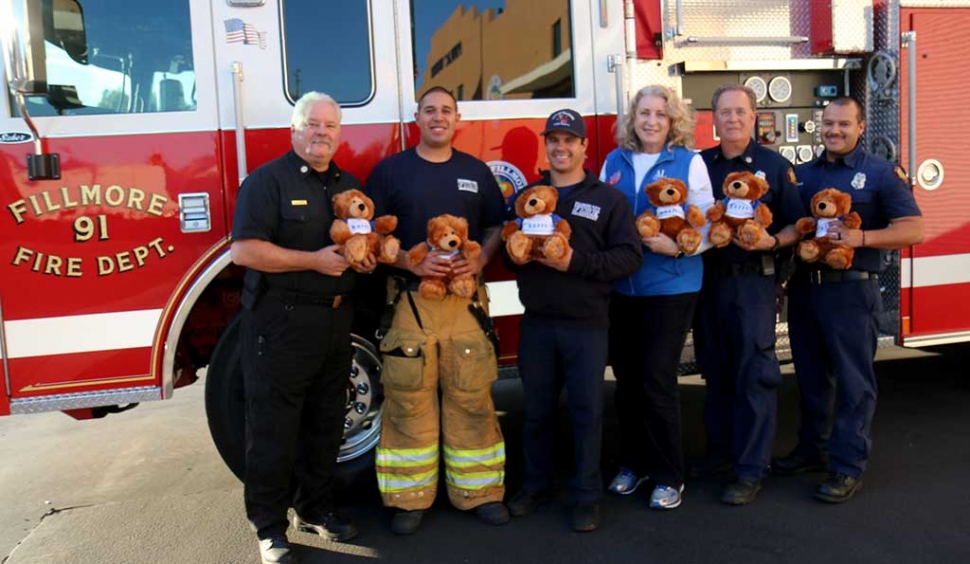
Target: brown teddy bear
359 233
741 211
537 231
447 233
827 206
672 216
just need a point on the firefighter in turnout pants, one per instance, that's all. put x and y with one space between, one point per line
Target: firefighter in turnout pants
432 344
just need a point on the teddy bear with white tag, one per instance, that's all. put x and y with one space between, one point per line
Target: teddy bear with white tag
358 233
829 205
671 215
741 211
537 231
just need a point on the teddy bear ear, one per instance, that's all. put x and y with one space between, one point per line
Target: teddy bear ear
844 202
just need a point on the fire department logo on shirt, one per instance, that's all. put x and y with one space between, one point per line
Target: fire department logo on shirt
859 181
760 174
466 185
586 211
615 179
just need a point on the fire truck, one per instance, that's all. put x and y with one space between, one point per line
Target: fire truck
127 128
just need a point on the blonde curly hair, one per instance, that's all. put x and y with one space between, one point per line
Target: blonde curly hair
681 119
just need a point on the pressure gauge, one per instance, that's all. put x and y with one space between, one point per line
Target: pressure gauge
780 89
758 85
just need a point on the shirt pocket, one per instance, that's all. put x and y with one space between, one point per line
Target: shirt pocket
409 361
864 203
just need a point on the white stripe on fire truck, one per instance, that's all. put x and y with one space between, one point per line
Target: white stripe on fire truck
935 271
81 333
503 298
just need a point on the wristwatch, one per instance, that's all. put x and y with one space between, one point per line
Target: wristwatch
777 244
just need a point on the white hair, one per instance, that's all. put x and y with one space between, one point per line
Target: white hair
302 108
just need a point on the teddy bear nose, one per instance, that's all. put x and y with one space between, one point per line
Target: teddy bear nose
670 191
736 185
821 206
533 202
452 243
361 207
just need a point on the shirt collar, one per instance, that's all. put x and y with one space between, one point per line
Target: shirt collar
747 156
304 169
852 160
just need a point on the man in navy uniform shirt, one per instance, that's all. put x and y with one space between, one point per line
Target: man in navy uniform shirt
833 314
734 330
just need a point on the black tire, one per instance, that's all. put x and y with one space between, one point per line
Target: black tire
225 407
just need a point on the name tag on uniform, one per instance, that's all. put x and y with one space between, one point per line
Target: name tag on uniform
822 226
358 226
297 202
538 225
667 212
466 185
740 209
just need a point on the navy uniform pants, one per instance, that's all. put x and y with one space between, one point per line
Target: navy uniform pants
550 358
296 359
834 333
734 338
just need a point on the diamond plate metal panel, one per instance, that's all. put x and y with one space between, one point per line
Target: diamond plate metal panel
84 400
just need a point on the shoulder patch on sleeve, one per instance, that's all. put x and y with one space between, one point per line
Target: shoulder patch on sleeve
901 173
791 176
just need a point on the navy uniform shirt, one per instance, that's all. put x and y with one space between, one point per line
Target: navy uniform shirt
288 203
416 190
880 192
782 196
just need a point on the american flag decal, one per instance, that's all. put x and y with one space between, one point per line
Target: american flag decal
238 31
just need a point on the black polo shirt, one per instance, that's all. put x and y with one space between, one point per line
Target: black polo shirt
782 196
288 203
880 192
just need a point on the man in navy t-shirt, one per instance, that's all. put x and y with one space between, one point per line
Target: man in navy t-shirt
435 343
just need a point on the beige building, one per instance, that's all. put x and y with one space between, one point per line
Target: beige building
520 52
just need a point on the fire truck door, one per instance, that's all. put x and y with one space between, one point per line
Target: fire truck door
938 274
269 55
89 260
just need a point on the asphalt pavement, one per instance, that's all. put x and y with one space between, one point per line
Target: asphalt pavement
147 486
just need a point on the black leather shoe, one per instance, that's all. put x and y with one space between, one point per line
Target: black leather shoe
493 513
838 487
586 516
331 526
798 461
277 550
710 466
741 492
407 522
526 502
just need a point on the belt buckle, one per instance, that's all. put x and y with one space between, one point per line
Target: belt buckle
815 277
337 300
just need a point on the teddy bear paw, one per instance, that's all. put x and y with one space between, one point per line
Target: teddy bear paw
390 250
750 233
432 290
519 247
689 240
554 247
838 259
647 227
719 235
355 249
464 287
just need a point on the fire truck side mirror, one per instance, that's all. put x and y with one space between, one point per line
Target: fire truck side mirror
59 23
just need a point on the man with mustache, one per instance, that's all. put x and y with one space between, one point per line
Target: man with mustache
295 333
833 314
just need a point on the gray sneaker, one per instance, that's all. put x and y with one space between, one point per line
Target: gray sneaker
626 482
276 550
666 497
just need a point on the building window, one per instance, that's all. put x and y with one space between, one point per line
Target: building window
482 49
556 38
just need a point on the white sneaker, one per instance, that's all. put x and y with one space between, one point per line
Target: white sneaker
666 497
626 482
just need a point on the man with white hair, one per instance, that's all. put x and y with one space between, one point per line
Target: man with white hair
295 333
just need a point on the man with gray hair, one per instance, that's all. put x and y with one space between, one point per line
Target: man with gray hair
295 332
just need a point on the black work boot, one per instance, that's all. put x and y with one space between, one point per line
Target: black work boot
330 525
741 492
526 502
407 522
586 516
277 550
838 487
492 513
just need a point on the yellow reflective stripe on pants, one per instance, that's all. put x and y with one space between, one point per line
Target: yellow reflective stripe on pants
475 480
388 482
407 457
463 458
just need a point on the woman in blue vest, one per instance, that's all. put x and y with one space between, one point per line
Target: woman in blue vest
651 311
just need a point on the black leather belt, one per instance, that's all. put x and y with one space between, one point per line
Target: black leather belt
738 269
300 298
836 276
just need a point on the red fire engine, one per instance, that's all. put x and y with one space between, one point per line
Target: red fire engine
128 127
